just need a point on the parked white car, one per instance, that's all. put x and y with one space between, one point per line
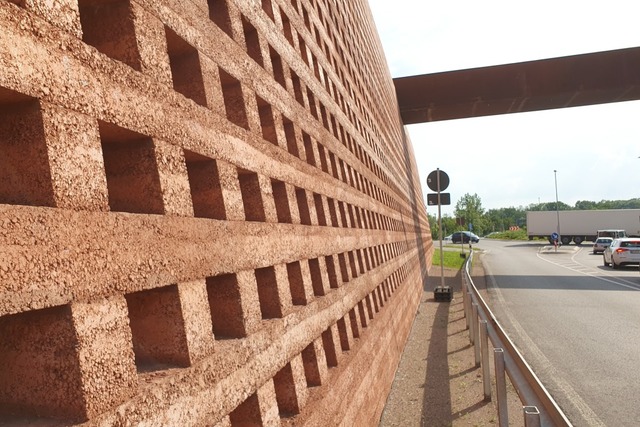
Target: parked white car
622 252
601 244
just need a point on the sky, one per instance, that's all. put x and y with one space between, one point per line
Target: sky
509 160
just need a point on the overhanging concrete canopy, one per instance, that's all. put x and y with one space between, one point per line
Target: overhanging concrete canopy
570 81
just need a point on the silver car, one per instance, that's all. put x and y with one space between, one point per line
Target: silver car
601 244
622 251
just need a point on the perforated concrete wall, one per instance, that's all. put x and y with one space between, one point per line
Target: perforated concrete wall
210 214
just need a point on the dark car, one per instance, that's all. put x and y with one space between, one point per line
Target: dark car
464 237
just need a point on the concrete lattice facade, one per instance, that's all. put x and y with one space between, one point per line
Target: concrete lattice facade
210 214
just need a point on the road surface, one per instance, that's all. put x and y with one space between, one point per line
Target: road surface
576 322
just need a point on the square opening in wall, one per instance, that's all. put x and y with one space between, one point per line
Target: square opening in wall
252 40
225 302
40 376
271 306
132 173
286 395
281 200
157 329
108 26
204 183
251 195
267 122
247 413
219 14
186 71
25 177
234 103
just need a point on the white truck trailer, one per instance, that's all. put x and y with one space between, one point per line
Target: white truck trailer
578 226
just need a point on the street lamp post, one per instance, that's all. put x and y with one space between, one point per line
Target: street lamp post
555 177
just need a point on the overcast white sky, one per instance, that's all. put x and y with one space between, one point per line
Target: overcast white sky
509 160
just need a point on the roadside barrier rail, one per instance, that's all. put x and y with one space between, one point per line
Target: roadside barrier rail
539 408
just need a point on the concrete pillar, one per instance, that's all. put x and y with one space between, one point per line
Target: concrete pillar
174 179
75 159
268 201
212 85
283 287
293 203
105 354
231 191
313 214
251 108
197 322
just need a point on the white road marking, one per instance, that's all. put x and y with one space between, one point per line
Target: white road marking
589 271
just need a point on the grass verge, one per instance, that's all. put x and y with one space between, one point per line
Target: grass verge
452 259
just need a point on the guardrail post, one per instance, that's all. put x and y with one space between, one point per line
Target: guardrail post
467 314
501 387
486 370
465 301
472 322
476 333
531 416
465 283
463 290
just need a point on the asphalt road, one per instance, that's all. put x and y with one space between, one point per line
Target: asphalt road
576 322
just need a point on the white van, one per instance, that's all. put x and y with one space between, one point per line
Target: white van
614 234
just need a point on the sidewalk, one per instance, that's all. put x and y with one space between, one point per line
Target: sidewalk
437 382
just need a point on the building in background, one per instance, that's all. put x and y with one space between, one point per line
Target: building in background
210 214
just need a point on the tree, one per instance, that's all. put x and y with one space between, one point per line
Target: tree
586 205
503 218
470 208
448 225
549 206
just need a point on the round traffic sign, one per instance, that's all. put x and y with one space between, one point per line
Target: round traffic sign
432 180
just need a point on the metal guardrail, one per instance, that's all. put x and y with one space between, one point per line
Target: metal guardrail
539 408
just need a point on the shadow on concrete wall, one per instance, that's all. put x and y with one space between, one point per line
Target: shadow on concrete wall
420 242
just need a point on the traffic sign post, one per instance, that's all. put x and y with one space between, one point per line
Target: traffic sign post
438 181
434 199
